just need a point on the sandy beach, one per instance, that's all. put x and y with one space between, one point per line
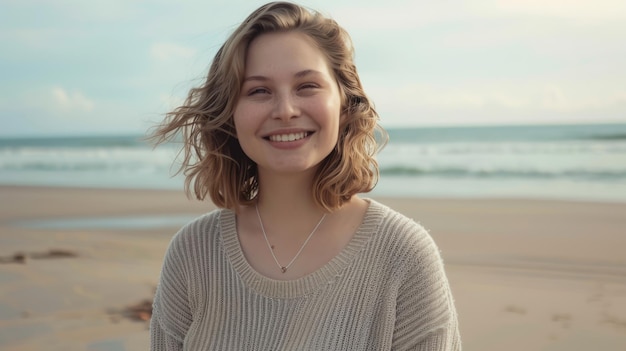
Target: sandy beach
79 266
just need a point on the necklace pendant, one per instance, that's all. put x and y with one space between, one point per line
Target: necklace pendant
271 247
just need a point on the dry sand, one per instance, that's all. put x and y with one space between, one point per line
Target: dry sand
526 275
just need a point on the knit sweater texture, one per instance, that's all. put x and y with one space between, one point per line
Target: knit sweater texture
386 290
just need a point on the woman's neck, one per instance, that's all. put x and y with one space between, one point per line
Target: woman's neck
289 192
286 203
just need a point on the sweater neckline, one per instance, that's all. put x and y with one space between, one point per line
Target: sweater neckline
308 283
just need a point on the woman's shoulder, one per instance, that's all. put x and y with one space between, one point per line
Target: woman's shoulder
200 228
397 224
405 239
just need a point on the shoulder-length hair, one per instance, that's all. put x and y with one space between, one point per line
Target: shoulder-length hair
214 163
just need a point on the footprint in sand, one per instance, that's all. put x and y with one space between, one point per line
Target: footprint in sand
613 320
515 309
22 257
564 319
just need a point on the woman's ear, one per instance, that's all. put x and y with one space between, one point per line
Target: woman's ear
343 119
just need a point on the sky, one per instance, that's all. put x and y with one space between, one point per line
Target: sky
75 67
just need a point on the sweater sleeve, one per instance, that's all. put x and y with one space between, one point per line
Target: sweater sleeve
171 310
426 318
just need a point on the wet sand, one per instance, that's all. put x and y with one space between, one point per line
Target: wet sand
78 267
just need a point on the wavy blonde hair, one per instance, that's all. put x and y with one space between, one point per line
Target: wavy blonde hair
214 163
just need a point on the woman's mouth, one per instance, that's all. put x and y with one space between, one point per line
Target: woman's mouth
288 136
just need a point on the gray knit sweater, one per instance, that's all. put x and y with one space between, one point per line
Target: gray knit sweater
386 290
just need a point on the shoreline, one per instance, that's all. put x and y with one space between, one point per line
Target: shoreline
525 273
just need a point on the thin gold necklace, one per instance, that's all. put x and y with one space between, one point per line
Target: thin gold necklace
269 246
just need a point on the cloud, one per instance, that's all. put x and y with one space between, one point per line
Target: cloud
555 99
431 104
170 102
414 14
584 10
71 101
108 65
396 15
169 51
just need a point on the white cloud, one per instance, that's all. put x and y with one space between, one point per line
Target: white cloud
413 14
170 101
424 95
398 15
170 51
82 11
429 104
74 101
579 9
423 62
555 98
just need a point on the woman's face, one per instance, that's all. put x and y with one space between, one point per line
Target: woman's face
287 117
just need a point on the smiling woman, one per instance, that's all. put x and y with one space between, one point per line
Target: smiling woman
282 137
206 117
287 117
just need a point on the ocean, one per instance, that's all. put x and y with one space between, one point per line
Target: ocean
567 162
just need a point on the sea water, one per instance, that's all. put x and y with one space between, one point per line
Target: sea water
571 162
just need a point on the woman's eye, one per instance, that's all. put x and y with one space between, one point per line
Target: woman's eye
256 91
308 86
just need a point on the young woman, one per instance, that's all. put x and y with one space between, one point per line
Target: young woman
282 138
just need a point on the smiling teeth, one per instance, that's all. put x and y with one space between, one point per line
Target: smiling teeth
288 137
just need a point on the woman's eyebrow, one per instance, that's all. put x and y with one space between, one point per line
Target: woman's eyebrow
301 74
307 72
258 78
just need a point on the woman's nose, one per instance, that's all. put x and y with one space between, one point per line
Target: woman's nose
285 107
